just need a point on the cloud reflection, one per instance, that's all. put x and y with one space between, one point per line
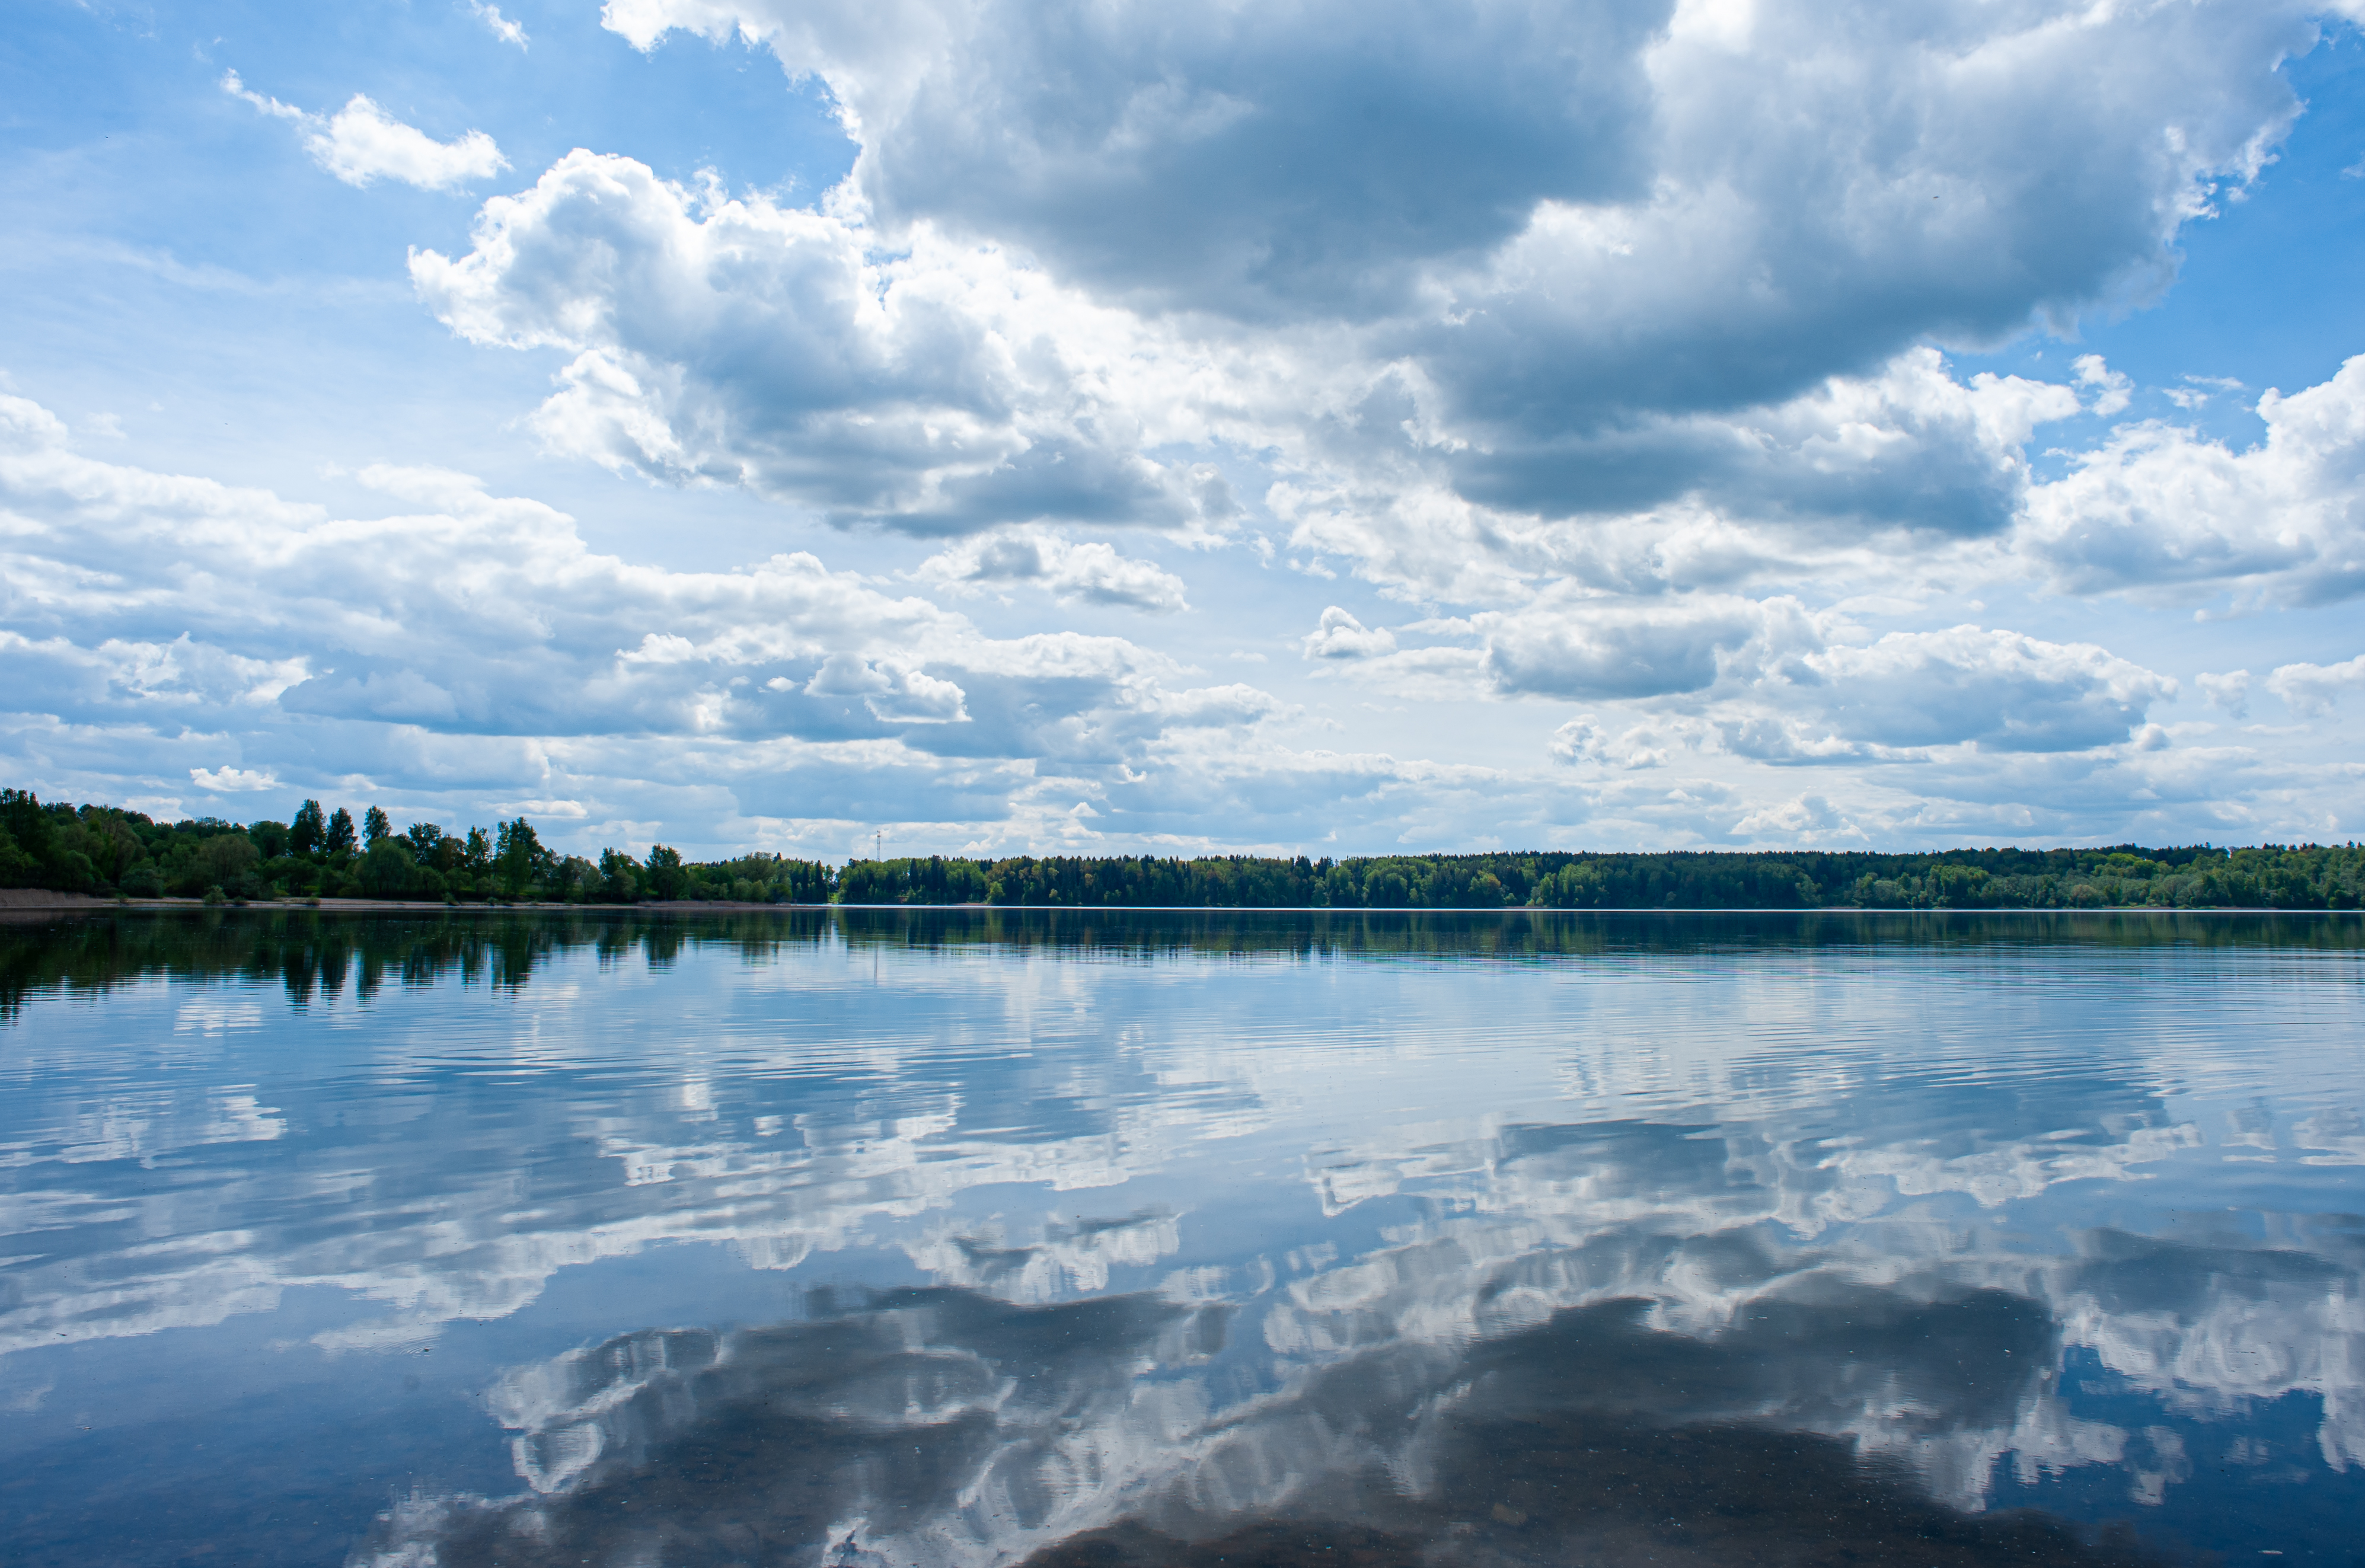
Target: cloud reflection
937 1426
1195 1276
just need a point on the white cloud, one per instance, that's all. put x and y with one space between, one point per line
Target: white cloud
1090 571
2162 510
1933 166
2312 689
1342 636
2230 691
1767 679
271 106
1609 339
231 780
501 26
362 144
487 639
947 389
1687 291
890 691
1588 649
2002 690
1800 816
161 627
1858 475
2113 391
1583 740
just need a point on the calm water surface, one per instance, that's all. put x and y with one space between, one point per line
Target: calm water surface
951 1238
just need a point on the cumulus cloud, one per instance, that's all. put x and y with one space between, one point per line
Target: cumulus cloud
1247 160
1342 636
1999 690
2230 691
1885 170
1069 571
947 390
362 144
1584 740
1454 275
2312 689
1588 649
1799 815
888 690
147 601
2113 391
2162 510
163 629
1774 681
1611 337
1852 475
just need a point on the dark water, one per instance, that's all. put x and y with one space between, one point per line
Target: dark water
884 1239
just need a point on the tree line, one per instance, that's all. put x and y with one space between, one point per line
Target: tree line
106 850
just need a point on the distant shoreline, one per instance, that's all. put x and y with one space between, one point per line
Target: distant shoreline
38 900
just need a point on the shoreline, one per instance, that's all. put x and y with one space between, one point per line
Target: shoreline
42 900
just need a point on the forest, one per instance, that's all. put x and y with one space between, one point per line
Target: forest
109 852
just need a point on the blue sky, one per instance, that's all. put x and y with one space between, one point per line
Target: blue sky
1326 428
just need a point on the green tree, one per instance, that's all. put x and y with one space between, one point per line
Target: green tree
24 833
339 837
666 878
375 826
389 870
309 831
520 857
28 840
577 880
426 842
227 861
619 876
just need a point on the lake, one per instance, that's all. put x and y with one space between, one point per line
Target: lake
999 1236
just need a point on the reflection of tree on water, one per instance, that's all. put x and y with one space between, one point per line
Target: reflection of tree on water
943 1427
314 952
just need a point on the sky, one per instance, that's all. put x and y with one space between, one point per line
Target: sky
1316 427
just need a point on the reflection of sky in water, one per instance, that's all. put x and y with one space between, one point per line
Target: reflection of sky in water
1549 1257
